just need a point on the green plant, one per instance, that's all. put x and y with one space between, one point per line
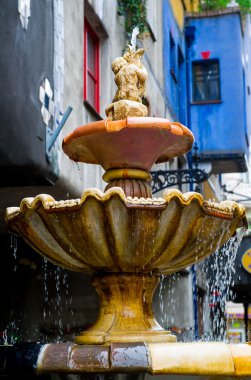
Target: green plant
207 5
135 16
245 5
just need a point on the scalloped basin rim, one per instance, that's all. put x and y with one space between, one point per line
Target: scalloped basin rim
224 209
84 236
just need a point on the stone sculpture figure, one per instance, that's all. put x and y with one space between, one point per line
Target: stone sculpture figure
130 78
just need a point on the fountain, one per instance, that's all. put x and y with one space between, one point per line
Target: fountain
127 239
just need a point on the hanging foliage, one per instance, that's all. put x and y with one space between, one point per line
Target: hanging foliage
208 5
245 5
134 12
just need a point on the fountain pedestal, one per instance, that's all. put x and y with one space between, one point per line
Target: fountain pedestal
125 311
134 182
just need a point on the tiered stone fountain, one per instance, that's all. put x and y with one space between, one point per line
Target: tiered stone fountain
127 239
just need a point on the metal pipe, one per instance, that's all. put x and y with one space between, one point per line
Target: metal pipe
59 128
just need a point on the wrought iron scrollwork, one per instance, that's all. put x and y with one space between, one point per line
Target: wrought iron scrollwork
161 179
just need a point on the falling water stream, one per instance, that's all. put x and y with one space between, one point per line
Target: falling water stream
57 303
217 274
218 271
10 333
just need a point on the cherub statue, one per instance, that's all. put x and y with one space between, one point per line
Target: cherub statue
130 76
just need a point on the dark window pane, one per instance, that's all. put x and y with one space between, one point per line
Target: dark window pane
91 89
90 54
172 54
199 91
206 81
91 67
213 90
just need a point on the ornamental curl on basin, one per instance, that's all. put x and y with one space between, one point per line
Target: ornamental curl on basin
124 236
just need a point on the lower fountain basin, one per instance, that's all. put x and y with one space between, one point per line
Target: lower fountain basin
108 232
127 243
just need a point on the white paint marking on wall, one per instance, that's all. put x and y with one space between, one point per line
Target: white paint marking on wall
25 12
45 97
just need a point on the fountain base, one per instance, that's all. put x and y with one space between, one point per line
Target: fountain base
125 311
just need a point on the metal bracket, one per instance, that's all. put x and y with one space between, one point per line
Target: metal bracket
247 198
161 179
51 136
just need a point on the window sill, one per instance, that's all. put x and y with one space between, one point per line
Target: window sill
206 102
92 110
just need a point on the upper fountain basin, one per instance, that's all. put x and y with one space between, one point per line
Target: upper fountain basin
134 142
109 232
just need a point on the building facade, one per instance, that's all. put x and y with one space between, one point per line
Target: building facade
217 90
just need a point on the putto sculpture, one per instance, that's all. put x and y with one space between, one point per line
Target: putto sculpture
130 78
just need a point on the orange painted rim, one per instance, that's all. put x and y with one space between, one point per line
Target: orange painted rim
108 125
94 143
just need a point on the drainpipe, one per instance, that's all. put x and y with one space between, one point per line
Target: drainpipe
189 38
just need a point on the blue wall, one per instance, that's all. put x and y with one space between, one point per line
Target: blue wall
220 129
175 86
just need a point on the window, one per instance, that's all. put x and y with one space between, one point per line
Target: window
206 81
172 57
181 86
91 67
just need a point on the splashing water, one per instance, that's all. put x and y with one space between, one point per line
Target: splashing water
10 335
58 304
135 32
220 270
46 305
167 299
5 338
57 300
13 246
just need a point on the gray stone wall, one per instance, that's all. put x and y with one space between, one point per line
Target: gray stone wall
103 17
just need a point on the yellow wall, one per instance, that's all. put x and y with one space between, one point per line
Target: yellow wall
191 5
179 11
